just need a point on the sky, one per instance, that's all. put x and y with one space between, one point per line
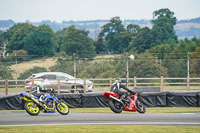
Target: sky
77 10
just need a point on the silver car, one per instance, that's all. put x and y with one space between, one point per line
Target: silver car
67 82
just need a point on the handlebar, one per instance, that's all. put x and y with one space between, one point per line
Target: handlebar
35 89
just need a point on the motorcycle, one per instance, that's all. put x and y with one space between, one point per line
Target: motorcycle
131 103
49 104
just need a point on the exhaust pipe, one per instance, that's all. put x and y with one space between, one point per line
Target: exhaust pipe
116 99
37 102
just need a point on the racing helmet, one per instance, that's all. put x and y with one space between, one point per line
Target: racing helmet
39 85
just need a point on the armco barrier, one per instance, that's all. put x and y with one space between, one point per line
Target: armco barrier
94 100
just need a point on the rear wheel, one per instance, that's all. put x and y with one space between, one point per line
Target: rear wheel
32 108
62 108
140 107
115 106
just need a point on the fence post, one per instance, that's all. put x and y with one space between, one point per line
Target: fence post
58 86
84 89
6 86
188 71
161 84
135 82
110 82
188 83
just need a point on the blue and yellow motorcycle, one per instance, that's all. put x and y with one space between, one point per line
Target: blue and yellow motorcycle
49 103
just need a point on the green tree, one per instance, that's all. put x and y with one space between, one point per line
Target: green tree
125 37
60 37
29 72
101 69
163 27
77 41
146 66
10 32
18 37
1 38
185 46
195 62
5 73
101 47
41 41
174 56
141 41
161 51
133 28
19 55
161 33
108 38
35 40
176 61
64 64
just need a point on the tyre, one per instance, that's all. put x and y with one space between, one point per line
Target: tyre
140 107
115 106
62 108
32 108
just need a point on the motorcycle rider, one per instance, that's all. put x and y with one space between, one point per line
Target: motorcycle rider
40 91
116 89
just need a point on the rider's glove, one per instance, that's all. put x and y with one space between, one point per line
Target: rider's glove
52 90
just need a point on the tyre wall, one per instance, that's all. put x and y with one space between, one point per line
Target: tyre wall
95 100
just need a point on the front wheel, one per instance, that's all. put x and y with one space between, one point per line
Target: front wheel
140 107
32 108
62 108
115 106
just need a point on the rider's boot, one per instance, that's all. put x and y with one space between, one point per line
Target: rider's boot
41 98
123 97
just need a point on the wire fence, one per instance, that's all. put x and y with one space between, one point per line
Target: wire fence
178 67
161 84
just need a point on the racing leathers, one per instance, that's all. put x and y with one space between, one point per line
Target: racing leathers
123 94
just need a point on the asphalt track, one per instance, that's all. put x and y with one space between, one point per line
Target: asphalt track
23 119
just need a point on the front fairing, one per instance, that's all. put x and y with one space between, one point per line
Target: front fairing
28 96
131 106
107 95
49 96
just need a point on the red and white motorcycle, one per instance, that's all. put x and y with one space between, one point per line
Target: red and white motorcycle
130 104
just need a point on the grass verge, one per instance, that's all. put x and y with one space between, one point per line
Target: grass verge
101 129
149 110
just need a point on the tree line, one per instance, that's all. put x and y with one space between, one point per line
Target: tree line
113 38
24 40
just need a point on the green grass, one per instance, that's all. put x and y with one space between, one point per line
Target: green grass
149 110
174 110
100 129
22 67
